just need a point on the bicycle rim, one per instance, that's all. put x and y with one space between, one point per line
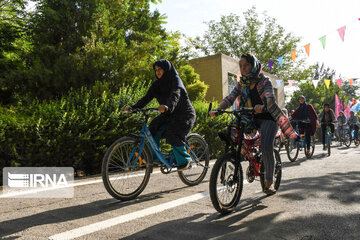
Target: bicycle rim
225 189
292 150
124 179
199 161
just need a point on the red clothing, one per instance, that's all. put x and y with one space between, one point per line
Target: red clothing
313 117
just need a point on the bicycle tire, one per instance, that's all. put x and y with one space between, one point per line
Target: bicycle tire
328 145
347 139
140 173
312 148
290 148
277 172
223 165
196 173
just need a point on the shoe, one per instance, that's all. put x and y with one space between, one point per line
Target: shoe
307 152
268 190
183 167
324 148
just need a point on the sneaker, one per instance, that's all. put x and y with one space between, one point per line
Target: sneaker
183 167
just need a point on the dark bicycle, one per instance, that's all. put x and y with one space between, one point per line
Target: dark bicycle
226 179
128 162
328 138
354 139
344 135
294 147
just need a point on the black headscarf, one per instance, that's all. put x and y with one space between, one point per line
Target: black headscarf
303 113
170 79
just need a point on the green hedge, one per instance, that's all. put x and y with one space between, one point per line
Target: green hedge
77 129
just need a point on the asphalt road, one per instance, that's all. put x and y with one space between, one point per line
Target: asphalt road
319 198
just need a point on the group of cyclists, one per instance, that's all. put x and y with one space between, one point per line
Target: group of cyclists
326 119
253 90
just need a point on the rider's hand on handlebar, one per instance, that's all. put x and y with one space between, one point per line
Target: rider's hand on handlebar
163 108
213 113
258 108
127 109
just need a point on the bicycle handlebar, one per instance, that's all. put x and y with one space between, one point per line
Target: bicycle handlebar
302 121
241 109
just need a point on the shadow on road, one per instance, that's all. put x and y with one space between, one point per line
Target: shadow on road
75 212
342 187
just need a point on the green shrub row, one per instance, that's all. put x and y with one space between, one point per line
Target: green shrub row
77 129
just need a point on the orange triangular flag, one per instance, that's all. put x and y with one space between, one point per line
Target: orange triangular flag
307 49
293 55
351 81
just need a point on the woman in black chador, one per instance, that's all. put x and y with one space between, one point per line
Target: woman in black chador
177 114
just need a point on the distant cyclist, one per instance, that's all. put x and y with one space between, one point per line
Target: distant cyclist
354 123
341 121
327 119
306 113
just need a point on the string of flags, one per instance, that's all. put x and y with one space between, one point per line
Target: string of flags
341 31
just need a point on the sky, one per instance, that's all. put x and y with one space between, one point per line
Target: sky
307 19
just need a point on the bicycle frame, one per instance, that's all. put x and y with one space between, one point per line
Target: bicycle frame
146 134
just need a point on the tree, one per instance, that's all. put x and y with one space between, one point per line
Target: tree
12 15
262 36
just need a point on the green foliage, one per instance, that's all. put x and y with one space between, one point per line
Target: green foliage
260 35
77 129
195 88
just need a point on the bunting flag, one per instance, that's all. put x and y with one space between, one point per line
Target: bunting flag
347 111
270 64
280 59
291 82
238 77
303 81
315 82
327 82
342 32
323 41
279 82
307 49
338 105
349 102
293 55
339 81
351 81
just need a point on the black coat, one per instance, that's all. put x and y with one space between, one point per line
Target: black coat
170 91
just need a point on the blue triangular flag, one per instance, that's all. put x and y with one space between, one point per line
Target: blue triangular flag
280 59
279 82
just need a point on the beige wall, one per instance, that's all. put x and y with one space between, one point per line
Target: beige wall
214 71
209 69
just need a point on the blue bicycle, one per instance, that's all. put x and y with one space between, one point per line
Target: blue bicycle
328 138
293 148
128 163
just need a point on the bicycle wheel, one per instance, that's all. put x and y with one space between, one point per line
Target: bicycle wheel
277 172
199 160
123 178
328 144
277 143
292 150
312 148
347 139
357 142
225 184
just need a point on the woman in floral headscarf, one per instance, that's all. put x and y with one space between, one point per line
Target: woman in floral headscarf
255 90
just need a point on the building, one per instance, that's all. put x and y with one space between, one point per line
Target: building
219 72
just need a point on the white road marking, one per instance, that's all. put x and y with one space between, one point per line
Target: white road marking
78 232
19 193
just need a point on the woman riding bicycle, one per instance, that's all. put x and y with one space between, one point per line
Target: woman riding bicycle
305 112
327 119
256 90
342 122
177 113
354 124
